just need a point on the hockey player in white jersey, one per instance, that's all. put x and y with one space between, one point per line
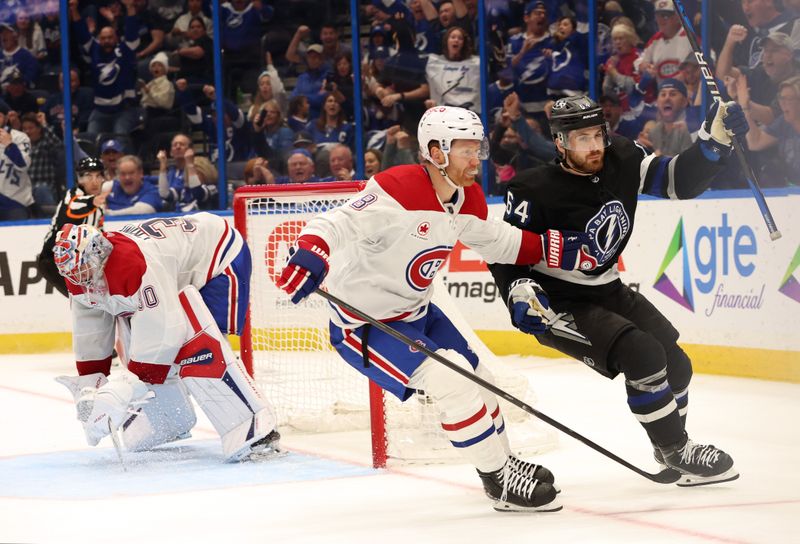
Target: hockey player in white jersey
386 244
174 287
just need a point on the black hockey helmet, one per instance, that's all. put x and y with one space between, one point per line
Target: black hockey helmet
89 164
575 112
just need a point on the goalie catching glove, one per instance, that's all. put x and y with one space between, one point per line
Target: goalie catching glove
724 121
306 268
102 402
529 306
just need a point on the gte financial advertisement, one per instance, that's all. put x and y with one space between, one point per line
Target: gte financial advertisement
707 264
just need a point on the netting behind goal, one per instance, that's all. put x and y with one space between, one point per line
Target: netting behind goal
287 347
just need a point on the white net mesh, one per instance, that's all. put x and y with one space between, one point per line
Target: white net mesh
312 388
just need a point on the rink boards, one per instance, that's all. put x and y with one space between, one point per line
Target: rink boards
707 264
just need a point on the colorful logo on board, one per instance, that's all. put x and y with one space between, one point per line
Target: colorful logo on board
664 284
790 286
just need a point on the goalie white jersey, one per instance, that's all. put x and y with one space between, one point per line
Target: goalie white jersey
388 242
148 266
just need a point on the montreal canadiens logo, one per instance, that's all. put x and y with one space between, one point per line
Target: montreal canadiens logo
423 267
608 228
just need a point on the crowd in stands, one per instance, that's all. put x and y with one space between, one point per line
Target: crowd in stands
144 100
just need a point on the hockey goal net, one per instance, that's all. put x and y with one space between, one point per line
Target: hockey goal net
286 347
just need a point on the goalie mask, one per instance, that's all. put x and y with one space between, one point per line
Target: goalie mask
443 124
80 253
576 112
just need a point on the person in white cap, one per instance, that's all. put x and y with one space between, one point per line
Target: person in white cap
159 92
390 240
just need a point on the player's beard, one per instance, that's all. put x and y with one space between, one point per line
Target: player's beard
464 177
587 162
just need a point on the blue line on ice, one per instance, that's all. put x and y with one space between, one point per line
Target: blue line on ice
191 466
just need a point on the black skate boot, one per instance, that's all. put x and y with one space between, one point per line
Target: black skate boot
699 464
527 469
264 449
513 492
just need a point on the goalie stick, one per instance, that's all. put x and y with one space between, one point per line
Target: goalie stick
711 85
666 476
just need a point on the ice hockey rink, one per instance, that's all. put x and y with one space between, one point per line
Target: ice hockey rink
56 489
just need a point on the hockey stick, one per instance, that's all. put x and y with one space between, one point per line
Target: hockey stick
711 85
667 476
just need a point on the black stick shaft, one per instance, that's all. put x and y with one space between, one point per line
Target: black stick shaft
711 85
662 477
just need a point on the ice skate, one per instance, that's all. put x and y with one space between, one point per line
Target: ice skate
513 492
531 470
699 464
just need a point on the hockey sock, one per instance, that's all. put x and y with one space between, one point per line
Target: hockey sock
493 407
649 394
464 416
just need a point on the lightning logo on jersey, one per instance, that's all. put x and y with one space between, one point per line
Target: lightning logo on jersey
423 267
608 227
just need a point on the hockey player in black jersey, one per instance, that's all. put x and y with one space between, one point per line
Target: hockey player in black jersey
593 187
82 205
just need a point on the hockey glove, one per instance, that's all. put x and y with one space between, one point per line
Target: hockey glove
528 304
111 403
81 386
306 268
569 250
724 121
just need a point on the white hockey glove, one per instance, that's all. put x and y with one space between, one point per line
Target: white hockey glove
724 121
530 307
111 403
80 386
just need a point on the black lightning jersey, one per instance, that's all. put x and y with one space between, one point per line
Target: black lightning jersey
77 208
602 205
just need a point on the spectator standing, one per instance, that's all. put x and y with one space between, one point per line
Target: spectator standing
670 134
82 102
299 114
47 159
17 96
339 82
332 47
153 29
179 35
619 69
311 83
16 195
763 17
159 92
196 55
270 87
526 55
133 193
272 139
783 133
113 70
15 58
440 19
454 76
331 127
51 30
31 36
236 146
568 60
242 22
668 47
624 123
399 148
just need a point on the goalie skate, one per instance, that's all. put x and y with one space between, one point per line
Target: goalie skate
698 464
513 492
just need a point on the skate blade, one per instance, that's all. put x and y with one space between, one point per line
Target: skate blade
691 480
552 506
265 455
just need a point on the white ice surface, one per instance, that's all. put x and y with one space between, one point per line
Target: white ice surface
54 488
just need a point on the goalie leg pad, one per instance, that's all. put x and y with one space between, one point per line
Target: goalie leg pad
463 413
219 383
227 294
166 418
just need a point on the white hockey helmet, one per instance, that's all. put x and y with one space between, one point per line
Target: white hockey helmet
80 253
443 124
